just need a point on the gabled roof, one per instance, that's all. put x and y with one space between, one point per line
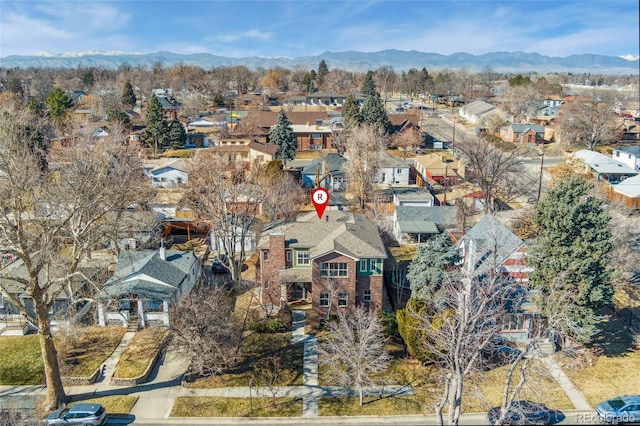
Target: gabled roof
169 163
524 127
145 273
494 243
334 164
478 107
393 161
269 118
409 193
348 233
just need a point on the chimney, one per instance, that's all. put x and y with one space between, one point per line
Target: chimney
470 258
277 257
163 254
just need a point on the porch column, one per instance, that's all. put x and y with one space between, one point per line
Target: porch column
140 314
101 315
165 313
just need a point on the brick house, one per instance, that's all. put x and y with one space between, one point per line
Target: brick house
523 133
333 263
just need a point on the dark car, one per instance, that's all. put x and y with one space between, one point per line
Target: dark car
218 264
522 413
79 414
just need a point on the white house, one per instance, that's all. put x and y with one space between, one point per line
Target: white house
166 172
412 196
477 111
146 283
629 155
394 171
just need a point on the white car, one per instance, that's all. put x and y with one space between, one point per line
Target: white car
621 409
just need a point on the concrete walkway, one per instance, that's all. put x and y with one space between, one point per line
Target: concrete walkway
109 367
309 363
574 395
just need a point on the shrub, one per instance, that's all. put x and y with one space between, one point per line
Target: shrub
270 325
389 324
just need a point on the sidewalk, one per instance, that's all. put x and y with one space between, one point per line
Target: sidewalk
563 381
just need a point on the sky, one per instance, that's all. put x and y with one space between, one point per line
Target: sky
296 28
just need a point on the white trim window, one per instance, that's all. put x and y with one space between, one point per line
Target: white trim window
366 295
302 258
343 297
333 269
324 299
362 265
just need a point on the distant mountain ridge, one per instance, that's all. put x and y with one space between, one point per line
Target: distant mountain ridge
351 61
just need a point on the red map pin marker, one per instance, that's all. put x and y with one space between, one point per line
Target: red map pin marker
320 200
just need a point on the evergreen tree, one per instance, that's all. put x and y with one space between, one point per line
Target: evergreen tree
155 124
115 114
410 328
281 134
351 111
88 80
373 112
177 135
323 70
571 251
128 96
434 264
368 85
58 104
308 82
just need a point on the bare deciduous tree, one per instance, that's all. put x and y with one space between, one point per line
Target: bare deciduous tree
364 148
205 328
407 141
497 173
226 194
283 196
354 350
51 218
588 121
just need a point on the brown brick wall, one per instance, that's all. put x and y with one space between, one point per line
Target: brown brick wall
303 141
270 269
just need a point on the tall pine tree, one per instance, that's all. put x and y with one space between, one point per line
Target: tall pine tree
128 96
351 111
368 85
571 251
176 135
58 104
323 70
373 112
155 124
281 134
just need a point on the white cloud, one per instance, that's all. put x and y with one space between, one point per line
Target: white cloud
233 37
630 57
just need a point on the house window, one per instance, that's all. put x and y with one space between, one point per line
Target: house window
366 295
338 269
265 255
342 298
324 298
362 266
316 146
374 266
288 255
164 179
399 171
303 258
316 136
513 322
179 180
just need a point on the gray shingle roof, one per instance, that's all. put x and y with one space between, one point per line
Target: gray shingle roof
524 127
478 107
348 233
334 164
444 216
493 242
145 273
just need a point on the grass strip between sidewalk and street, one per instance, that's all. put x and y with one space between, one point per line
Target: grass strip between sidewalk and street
202 406
114 404
140 352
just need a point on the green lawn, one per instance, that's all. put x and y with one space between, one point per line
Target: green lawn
140 352
198 406
115 404
20 361
256 347
84 355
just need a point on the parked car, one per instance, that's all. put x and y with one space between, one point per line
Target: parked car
621 409
218 264
79 414
499 352
522 413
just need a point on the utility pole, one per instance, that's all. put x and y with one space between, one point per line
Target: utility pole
540 181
